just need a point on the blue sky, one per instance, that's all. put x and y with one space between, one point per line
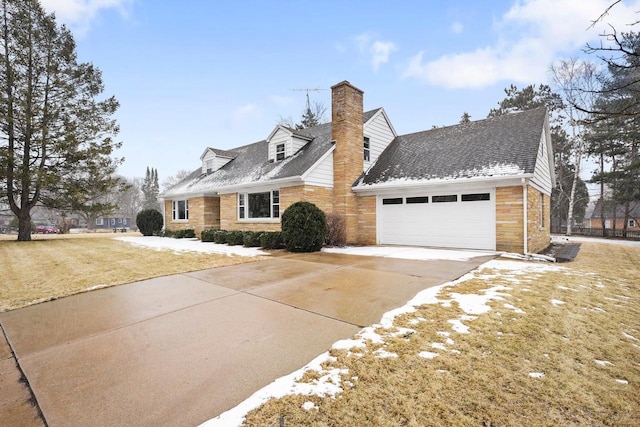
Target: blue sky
193 74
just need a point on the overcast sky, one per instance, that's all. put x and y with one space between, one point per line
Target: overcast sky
198 73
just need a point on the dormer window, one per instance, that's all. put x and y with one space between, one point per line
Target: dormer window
367 151
279 152
209 166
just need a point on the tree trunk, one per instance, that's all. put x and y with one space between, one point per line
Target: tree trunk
604 223
24 227
574 186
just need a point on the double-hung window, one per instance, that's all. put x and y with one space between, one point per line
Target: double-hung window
180 210
367 149
280 152
259 205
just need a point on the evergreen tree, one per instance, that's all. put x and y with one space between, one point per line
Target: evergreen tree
51 122
150 189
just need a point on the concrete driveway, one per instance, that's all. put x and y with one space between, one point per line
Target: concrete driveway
181 349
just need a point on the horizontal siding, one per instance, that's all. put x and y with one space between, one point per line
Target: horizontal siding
322 174
218 162
296 144
380 136
280 137
542 171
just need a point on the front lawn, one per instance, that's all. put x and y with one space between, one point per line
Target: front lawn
513 344
54 266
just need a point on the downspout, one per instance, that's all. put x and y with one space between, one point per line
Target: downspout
525 216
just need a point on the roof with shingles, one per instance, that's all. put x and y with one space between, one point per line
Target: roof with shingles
501 146
251 163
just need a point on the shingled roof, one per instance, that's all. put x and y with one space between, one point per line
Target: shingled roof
251 163
501 146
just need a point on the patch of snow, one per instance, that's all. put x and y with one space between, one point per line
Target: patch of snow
629 336
449 341
307 406
93 288
515 309
442 371
603 362
427 355
458 326
190 245
564 288
546 355
443 333
438 346
557 302
520 267
619 381
383 354
413 253
477 304
536 374
417 320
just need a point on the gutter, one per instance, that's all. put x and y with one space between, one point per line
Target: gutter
402 185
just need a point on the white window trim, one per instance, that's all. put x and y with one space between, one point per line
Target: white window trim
99 221
366 150
174 210
632 223
245 197
283 152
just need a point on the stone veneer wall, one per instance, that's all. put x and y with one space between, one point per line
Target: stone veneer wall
348 160
367 226
538 232
320 196
203 215
509 228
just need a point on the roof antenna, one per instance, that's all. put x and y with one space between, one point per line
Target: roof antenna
315 89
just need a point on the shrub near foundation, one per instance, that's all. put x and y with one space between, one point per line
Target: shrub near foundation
271 240
251 239
207 235
336 230
304 227
149 221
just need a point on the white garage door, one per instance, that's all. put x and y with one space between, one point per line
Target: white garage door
450 220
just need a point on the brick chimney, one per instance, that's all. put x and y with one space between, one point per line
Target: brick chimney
346 130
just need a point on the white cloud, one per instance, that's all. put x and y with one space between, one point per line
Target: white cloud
529 37
380 52
457 27
78 14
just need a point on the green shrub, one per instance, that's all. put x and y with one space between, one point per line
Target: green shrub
187 233
235 238
304 227
164 233
271 240
149 221
251 239
220 237
207 235
336 229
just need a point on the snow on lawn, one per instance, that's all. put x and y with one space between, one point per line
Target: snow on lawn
404 252
329 381
190 245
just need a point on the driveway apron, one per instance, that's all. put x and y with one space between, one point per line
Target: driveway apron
181 349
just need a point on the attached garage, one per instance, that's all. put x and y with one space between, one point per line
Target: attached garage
440 219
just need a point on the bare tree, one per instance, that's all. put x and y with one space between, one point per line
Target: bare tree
578 82
172 180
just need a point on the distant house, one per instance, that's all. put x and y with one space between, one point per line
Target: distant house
482 185
619 213
112 222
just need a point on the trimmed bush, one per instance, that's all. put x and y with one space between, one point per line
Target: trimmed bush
207 235
187 233
235 238
164 233
336 229
271 240
220 237
304 227
149 221
251 239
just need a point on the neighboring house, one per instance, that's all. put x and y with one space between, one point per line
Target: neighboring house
481 185
632 221
112 222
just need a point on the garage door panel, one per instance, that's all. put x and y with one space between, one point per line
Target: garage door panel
468 224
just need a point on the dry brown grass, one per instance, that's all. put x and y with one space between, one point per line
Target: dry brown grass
53 266
482 379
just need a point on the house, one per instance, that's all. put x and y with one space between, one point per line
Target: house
480 185
112 222
595 221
